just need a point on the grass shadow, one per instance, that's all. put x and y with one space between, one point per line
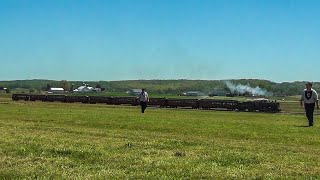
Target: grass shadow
302 126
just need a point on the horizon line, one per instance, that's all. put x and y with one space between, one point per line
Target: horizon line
159 80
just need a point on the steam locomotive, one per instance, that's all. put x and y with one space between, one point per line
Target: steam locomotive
259 105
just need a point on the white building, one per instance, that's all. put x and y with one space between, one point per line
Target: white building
3 90
84 89
98 90
56 90
134 92
193 93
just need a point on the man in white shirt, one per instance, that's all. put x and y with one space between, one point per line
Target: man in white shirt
310 98
143 98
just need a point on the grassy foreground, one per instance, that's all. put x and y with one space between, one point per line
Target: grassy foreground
78 141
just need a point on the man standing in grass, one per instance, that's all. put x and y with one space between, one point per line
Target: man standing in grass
310 98
143 98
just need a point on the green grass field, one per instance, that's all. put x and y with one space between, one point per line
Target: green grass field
82 141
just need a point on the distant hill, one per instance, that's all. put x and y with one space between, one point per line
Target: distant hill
167 86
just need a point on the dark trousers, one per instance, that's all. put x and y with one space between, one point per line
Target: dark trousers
309 108
143 106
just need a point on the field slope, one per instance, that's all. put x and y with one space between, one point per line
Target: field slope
78 141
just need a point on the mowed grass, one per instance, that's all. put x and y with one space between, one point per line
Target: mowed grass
81 141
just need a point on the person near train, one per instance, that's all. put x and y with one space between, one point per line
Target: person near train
144 99
309 99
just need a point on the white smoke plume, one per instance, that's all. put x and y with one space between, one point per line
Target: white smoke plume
241 89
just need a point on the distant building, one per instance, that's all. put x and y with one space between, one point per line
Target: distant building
193 93
56 90
3 89
134 92
217 92
84 89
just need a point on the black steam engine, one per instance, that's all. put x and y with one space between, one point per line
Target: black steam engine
259 105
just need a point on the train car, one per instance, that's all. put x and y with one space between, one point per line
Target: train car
58 98
124 100
267 106
73 99
37 97
100 99
218 104
246 106
17 97
174 103
257 105
274 107
161 102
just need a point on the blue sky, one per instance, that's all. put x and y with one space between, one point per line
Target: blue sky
278 40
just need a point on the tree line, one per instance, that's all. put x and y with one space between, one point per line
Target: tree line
161 86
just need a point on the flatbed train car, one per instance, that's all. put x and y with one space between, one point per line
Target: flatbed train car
259 105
